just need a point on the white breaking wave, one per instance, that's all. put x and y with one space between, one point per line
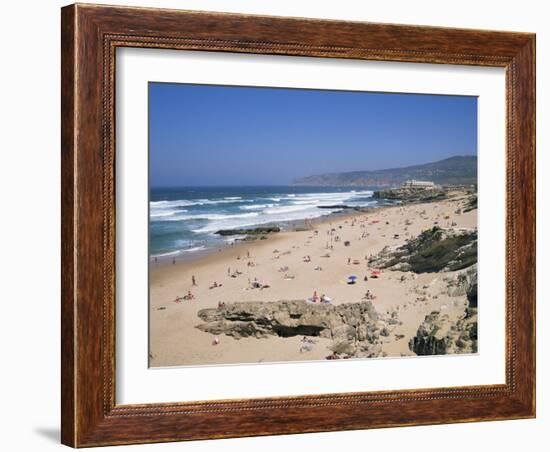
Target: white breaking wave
177 252
279 217
195 202
309 201
286 209
256 206
257 211
165 213
171 253
192 250
211 216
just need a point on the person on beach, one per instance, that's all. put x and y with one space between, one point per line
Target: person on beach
174 261
349 260
193 280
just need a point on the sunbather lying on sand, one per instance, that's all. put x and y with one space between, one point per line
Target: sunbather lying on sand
315 297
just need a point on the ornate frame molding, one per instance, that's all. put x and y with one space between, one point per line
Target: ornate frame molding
90 37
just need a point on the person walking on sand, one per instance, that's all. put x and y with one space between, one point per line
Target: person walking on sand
349 260
193 280
248 254
174 261
228 271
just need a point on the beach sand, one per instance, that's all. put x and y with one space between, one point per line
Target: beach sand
175 340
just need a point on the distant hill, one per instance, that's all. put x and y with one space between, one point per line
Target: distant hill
451 171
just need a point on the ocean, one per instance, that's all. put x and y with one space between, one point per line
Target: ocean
184 220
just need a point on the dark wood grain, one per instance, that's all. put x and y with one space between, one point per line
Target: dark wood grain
90 36
67 226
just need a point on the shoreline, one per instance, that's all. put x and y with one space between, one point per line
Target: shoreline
176 341
185 255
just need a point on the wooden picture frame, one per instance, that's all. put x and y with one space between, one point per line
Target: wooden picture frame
90 36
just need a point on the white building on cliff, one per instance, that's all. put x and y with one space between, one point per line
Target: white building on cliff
427 185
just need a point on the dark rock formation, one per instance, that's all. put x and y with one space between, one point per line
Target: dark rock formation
471 203
254 231
464 283
433 250
346 207
355 328
440 335
411 194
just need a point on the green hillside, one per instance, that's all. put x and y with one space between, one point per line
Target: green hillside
458 170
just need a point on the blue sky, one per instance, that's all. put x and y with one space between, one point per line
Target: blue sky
224 135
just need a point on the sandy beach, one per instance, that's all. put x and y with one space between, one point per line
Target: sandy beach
295 265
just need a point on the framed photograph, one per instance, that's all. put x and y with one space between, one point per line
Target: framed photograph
281 225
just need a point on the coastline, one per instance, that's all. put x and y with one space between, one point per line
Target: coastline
175 339
186 255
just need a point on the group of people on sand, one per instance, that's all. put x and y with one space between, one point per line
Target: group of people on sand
257 284
320 299
187 297
307 344
247 256
369 295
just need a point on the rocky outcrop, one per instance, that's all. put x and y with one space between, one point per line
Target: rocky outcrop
254 231
440 335
433 250
464 283
346 207
357 329
406 194
470 204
